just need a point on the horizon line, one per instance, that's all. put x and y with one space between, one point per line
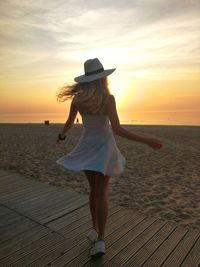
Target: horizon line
42 123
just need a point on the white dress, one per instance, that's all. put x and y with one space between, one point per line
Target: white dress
96 149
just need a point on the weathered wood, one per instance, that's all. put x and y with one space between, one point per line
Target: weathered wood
40 244
12 230
75 244
150 246
65 210
11 184
46 205
63 221
74 227
20 241
9 218
81 255
29 190
182 249
45 201
19 192
77 214
193 257
5 172
161 254
44 225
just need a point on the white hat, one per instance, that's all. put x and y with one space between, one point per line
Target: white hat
93 70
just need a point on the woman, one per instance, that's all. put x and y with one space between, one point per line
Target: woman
96 153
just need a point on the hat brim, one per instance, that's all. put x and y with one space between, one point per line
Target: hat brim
89 78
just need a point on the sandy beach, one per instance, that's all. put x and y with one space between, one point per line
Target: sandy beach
164 182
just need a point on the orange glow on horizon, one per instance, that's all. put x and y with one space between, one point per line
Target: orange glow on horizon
157 77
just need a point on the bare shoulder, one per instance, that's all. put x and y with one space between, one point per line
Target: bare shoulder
111 97
111 104
112 113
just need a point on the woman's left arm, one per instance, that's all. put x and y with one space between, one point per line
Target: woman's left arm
70 121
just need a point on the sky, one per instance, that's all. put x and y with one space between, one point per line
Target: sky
153 44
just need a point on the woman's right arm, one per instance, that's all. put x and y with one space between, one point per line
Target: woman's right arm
118 130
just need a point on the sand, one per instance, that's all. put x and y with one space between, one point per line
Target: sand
164 182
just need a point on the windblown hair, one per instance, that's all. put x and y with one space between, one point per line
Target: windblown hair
92 96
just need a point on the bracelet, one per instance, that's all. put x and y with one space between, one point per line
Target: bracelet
60 137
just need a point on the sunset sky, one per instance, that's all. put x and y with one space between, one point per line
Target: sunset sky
153 44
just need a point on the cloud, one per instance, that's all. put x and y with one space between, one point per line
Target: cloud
140 37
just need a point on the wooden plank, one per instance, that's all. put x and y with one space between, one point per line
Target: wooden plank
14 229
10 184
63 221
10 225
32 192
193 257
150 246
119 231
38 202
21 240
28 255
75 241
15 179
76 215
10 176
4 172
22 192
76 205
9 218
131 239
31 250
182 249
35 198
45 218
46 201
19 181
130 232
4 210
31 188
115 229
137 242
61 203
74 226
22 180
52 206
123 228
38 205
167 247
12 187
43 200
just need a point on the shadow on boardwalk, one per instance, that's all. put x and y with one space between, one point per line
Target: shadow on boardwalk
45 225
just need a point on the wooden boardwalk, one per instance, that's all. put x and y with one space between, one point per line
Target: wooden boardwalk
45 225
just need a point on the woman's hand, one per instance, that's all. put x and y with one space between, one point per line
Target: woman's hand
60 138
154 143
58 141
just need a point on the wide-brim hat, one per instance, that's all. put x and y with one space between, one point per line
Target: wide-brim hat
93 70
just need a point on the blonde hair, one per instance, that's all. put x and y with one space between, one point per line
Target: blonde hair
90 95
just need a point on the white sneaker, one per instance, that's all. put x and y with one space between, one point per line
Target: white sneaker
98 249
92 235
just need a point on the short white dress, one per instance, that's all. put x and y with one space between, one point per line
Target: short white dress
96 149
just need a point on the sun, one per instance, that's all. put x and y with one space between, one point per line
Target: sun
118 89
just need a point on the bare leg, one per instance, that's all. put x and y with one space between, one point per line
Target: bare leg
92 198
101 184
